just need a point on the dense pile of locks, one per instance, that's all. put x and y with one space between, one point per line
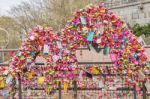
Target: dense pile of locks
93 27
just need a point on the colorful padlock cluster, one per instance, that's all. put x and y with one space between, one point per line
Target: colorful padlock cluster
97 27
60 61
93 26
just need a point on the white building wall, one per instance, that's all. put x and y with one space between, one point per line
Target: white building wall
132 11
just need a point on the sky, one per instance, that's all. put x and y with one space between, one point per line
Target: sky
6 5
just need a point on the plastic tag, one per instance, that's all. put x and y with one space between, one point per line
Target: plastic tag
90 36
83 21
6 94
147 84
141 41
55 58
9 79
33 53
59 45
46 49
101 84
113 57
80 74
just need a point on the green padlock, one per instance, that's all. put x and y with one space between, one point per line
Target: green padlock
148 65
106 50
83 21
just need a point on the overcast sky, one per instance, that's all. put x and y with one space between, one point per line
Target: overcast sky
7 4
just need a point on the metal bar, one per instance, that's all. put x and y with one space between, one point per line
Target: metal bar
134 92
19 86
83 48
59 97
148 46
13 88
144 89
80 63
8 50
117 74
83 89
75 89
3 57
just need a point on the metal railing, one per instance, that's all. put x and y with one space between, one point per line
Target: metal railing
100 93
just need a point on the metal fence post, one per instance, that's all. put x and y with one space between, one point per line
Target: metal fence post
13 88
59 97
75 89
144 90
134 92
19 86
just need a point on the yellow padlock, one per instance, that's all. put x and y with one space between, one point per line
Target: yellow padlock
30 75
2 84
65 86
41 80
